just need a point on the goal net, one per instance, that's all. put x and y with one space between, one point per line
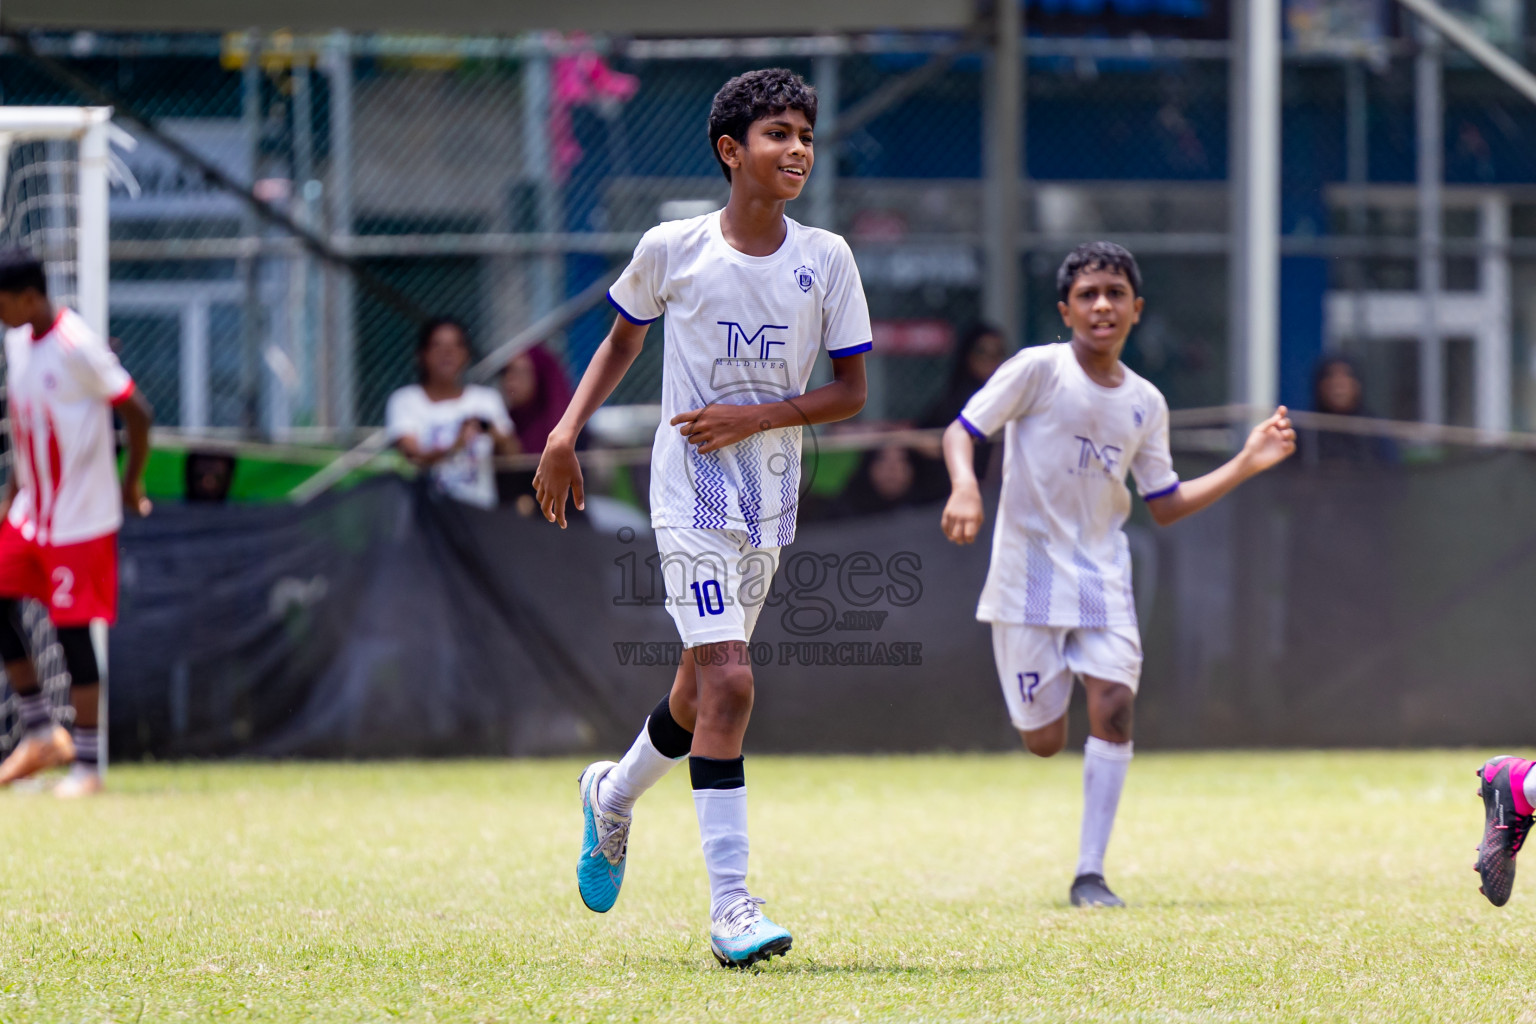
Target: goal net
53 202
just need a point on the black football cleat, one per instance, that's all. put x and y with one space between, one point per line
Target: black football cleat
1093 891
1504 830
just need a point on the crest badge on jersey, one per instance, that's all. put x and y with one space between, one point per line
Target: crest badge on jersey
805 277
1138 415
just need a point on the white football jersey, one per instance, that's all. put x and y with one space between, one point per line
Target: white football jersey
1059 556
740 330
60 389
468 475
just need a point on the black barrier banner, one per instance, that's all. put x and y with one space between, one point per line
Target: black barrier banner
1388 605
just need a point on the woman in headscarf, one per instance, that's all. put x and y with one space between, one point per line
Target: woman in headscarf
1337 390
887 479
536 391
980 352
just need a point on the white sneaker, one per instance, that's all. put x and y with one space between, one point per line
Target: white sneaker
80 782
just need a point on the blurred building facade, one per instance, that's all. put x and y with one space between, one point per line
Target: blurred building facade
493 178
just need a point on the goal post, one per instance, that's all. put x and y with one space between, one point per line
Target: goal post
55 189
55 169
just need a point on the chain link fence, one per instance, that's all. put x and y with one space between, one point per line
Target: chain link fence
492 179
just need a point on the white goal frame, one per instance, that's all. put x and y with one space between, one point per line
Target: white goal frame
91 129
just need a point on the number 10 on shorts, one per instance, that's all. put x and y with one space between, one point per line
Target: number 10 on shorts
708 597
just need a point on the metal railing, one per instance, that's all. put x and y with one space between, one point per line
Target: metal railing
302 201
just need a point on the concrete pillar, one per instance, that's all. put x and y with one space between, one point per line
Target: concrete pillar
1492 359
1001 301
1255 179
822 187
1431 175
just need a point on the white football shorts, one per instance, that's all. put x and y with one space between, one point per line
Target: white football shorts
716 582
1035 665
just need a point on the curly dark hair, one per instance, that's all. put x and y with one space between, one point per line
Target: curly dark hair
751 97
20 270
1097 256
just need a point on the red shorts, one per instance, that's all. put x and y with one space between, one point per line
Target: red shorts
78 582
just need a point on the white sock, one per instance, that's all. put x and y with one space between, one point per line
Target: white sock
1104 768
639 769
723 830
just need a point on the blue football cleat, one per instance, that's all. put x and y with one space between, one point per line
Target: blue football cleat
741 936
604 844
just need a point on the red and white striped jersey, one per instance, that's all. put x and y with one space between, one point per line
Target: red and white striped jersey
59 388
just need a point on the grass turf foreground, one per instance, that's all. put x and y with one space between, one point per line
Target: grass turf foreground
1263 887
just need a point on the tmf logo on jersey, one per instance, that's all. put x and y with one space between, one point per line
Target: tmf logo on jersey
736 336
1088 453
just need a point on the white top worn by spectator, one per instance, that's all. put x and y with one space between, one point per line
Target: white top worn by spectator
469 475
60 387
1059 556
740 330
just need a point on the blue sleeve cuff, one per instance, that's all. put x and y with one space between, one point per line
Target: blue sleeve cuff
971 428
626 315
851 350
1162 493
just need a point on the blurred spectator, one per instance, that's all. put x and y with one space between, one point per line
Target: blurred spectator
887 479
1337 390
980 352
536 391
445 426
209 476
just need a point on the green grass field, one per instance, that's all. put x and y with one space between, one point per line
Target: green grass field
1264 887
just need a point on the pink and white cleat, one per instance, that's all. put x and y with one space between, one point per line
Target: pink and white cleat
1507 817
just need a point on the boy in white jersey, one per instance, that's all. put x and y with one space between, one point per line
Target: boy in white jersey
63 507
750 297
1058 592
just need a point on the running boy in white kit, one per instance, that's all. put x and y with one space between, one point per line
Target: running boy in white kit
750 298
1058 592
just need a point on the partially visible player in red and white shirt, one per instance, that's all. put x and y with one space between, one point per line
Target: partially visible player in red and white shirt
63 507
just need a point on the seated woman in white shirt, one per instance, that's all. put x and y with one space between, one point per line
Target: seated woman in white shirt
451 429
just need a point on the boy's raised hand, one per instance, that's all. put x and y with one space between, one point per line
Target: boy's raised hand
1271 442
963 515
559 474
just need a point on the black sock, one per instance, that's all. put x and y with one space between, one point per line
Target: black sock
717 772
669 738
